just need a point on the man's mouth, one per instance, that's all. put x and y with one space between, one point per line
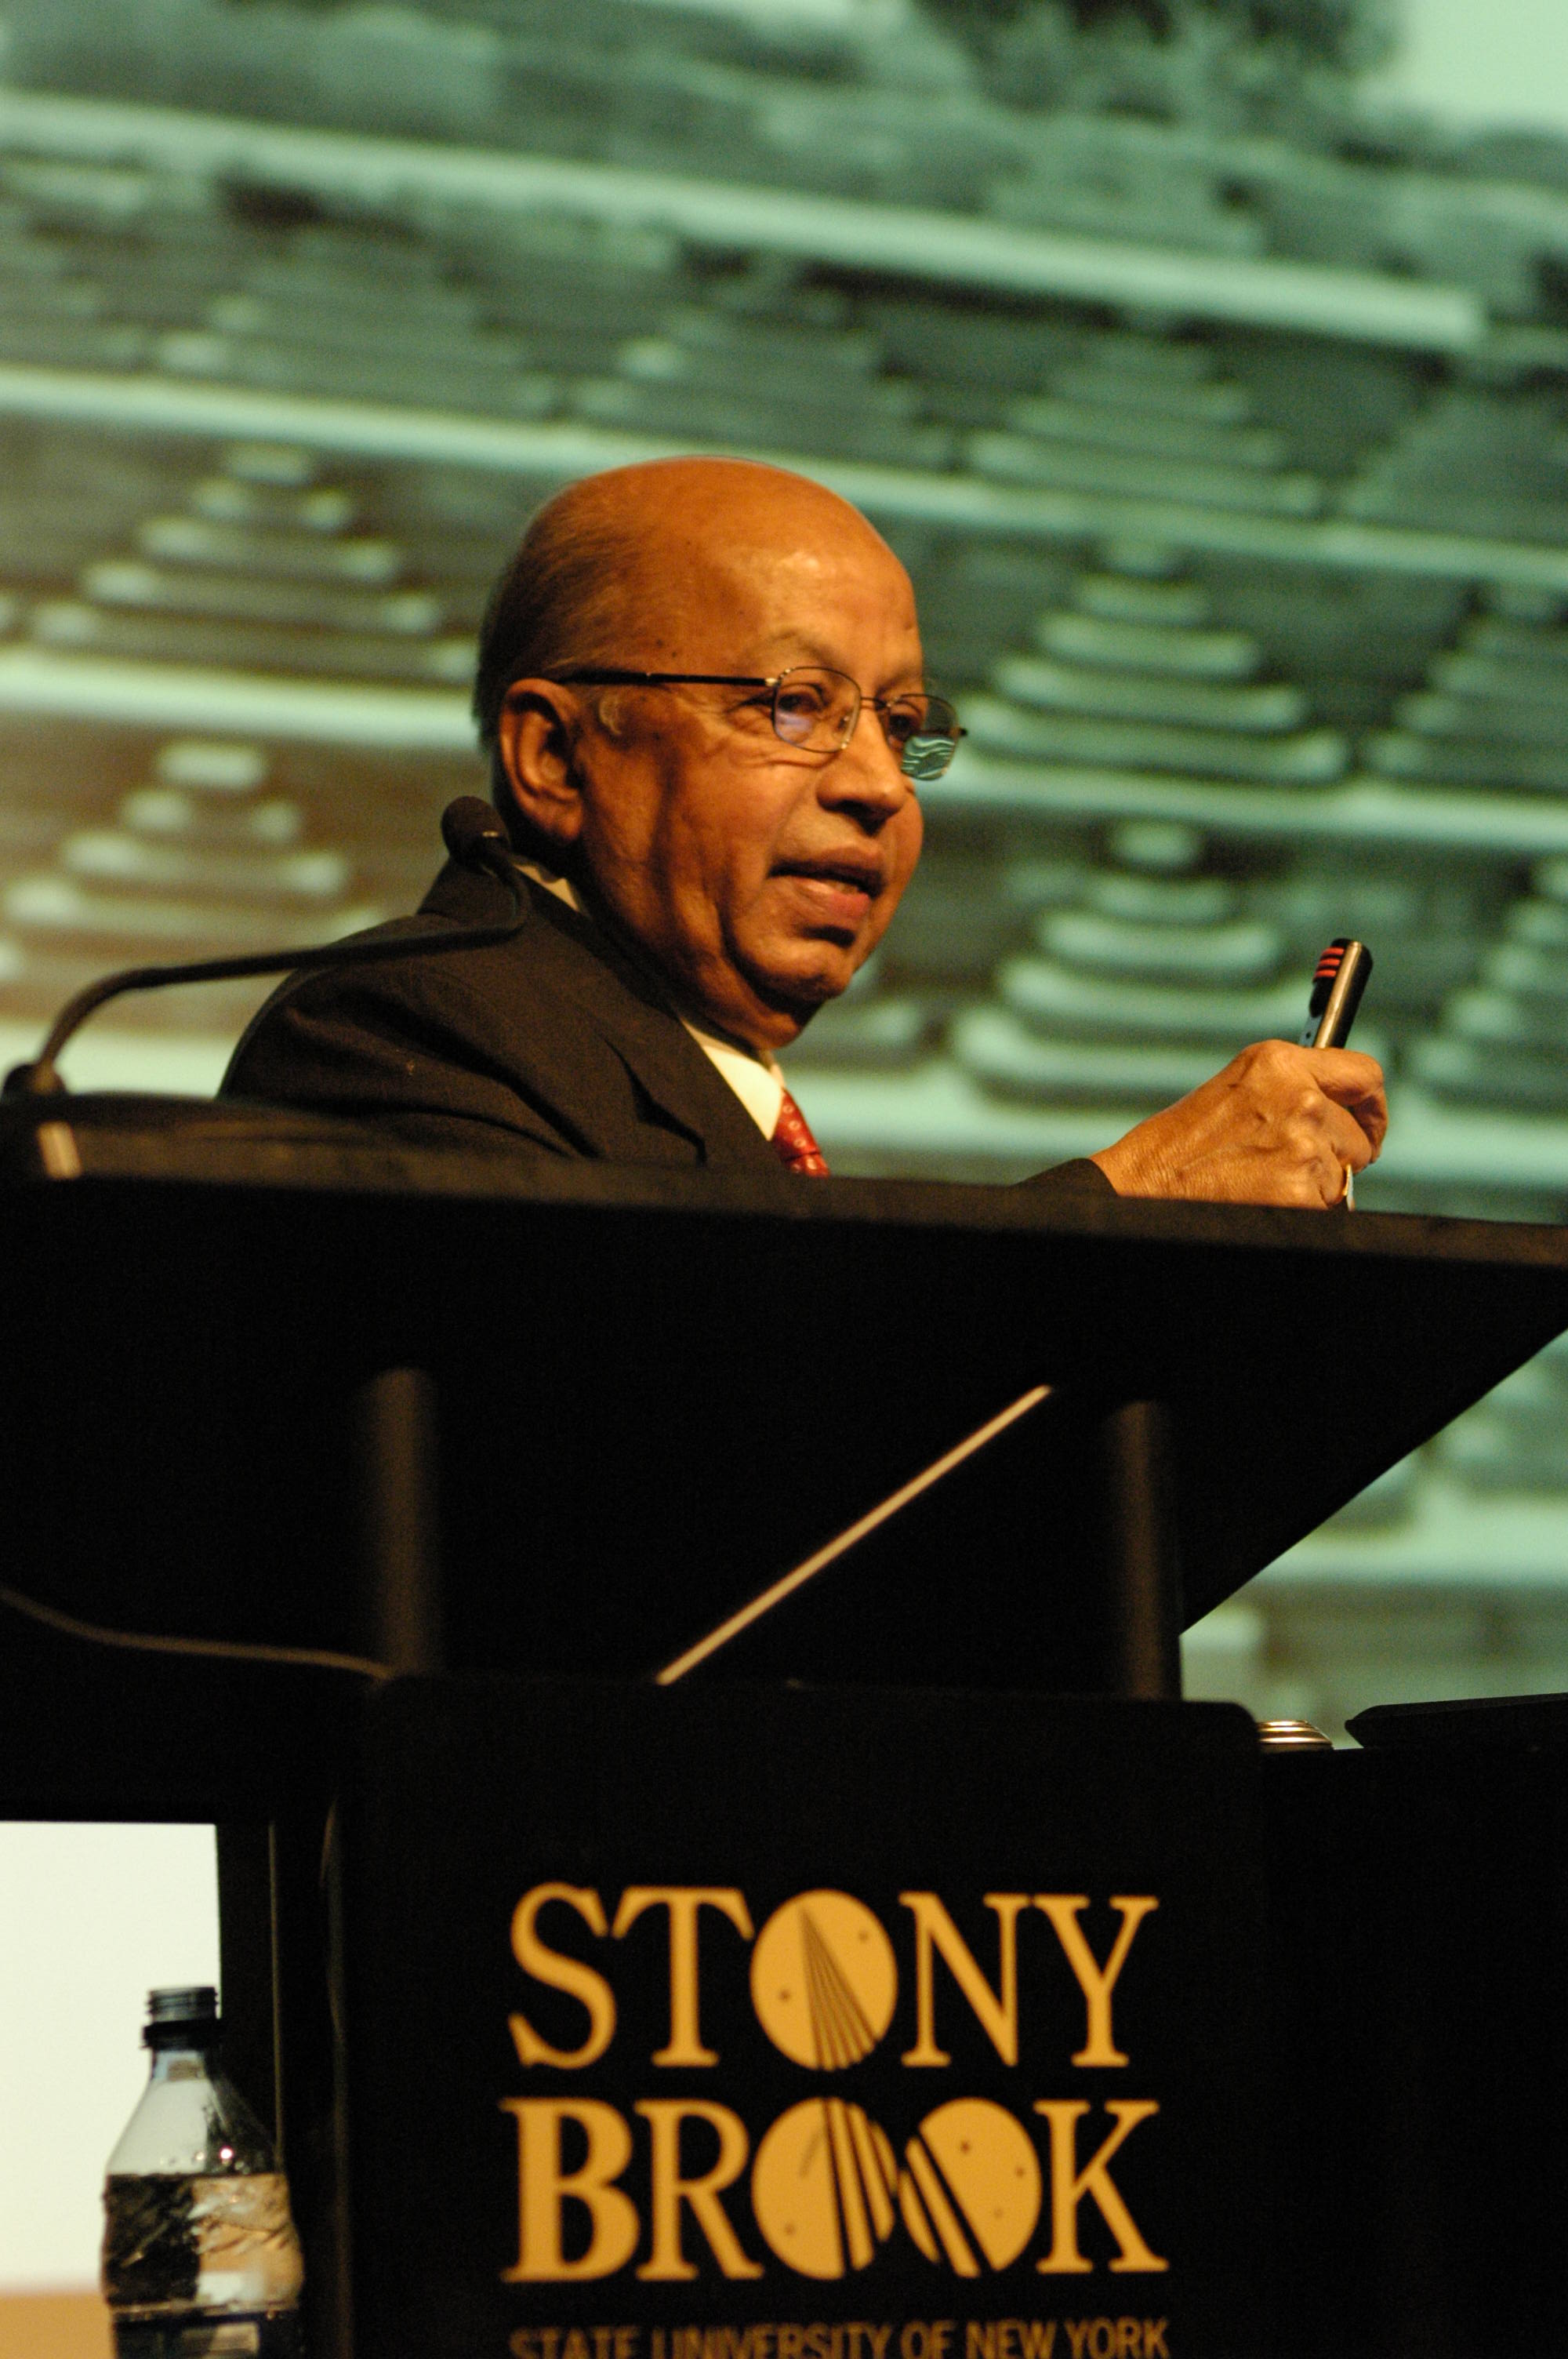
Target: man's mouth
843 872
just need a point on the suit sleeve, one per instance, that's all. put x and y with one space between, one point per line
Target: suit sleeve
1079 1178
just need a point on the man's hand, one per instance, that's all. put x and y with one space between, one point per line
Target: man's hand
1279 1125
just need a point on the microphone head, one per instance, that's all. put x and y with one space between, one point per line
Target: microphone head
472 832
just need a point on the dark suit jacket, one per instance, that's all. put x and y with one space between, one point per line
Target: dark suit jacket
553 1043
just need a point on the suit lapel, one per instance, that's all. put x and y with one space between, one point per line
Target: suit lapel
626 1008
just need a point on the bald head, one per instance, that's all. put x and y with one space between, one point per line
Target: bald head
625 568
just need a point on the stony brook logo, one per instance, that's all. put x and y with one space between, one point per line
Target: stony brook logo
976 2186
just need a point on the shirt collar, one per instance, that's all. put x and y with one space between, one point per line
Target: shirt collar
561 886
751 1073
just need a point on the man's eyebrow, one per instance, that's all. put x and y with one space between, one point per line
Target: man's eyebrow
787 647
790 650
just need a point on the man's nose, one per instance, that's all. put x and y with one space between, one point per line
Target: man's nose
868 770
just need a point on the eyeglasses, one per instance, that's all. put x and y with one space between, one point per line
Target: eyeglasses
816 708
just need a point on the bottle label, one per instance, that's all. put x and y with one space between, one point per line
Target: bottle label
173 2242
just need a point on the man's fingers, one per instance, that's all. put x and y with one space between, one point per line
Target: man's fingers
1347 1138
1344 1072
1356 1081
1336 1184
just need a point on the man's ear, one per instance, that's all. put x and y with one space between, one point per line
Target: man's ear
534 743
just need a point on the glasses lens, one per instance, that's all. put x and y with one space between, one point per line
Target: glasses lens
815 708
924 732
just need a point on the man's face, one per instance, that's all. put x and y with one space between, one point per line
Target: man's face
753 875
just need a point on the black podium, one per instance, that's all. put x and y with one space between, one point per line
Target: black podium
269 1384
650 1395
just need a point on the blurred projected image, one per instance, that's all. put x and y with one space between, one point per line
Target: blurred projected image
1206 363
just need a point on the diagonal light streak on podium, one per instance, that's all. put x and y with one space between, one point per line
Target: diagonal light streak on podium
845 1540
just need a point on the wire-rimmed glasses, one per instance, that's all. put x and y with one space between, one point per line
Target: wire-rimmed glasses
817 708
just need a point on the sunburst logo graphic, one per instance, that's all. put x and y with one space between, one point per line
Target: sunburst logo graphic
972 2189
823 1980
822 2188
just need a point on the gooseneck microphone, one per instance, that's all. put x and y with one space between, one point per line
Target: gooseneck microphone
473 836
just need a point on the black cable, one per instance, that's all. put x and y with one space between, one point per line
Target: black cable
216 1650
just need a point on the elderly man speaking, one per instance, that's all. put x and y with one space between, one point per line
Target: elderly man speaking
701 688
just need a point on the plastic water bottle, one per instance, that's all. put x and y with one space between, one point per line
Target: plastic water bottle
201 2259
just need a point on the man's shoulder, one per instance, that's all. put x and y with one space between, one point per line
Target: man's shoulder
551 1036
554 955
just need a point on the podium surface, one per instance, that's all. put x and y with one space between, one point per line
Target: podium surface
659 1392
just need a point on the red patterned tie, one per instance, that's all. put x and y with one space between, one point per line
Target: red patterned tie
794 1145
